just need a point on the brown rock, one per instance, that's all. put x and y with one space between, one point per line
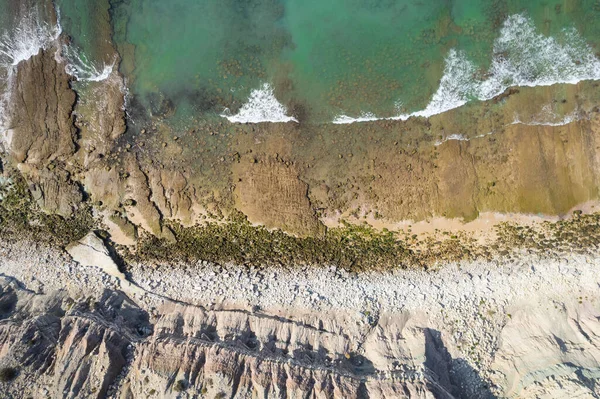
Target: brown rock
41 114
273 195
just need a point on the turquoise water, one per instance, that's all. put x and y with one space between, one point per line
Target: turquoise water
323 59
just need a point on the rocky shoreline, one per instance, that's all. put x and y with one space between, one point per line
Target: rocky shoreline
294 260
74 146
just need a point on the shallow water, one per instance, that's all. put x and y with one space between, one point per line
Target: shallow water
334 60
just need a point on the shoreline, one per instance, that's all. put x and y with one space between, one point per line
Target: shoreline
153 245
481 227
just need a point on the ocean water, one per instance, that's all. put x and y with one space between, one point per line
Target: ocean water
25 28
315 61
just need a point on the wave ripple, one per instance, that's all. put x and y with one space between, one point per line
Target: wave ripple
521 57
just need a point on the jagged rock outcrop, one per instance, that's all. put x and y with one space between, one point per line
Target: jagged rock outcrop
53 189
64 348
41 110
88 347
559 348
100 118
43 136
143 210
172 194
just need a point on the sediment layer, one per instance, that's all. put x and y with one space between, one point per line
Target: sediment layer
524 328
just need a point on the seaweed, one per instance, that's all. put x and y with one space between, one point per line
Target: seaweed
21 217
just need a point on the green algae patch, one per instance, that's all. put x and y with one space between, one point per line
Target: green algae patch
578 234
351 247
21 217
359 248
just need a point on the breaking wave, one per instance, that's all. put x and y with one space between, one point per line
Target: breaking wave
27 38
521 57
83 69
262 106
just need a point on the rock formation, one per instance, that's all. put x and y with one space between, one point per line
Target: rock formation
98 318
106 337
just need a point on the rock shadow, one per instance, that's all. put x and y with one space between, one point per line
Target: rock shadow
451 378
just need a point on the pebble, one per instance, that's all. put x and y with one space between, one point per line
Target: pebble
473 295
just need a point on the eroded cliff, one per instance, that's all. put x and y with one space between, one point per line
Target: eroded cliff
69 329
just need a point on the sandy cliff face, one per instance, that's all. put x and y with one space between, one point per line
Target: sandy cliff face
526 329
72 350
97 346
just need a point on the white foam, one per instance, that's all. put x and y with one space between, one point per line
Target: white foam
452 137
78 65
27 38
521 57
262 106
548 118
455 85
483 135
345 119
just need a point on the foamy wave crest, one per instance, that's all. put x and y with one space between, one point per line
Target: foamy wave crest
28 37
521 57
345 119
454 90
262 106
455 86
452 137
79 66
546 117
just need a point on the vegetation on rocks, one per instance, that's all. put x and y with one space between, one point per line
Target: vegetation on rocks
352 247
359 248
580 234
20 216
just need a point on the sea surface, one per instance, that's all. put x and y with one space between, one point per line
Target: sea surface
312 61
